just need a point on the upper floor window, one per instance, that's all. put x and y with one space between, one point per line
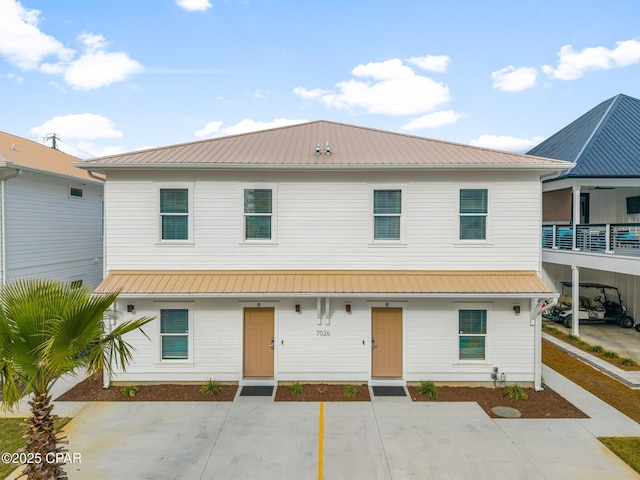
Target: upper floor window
76 192
174 213
387 214
258 214
473 213
472 326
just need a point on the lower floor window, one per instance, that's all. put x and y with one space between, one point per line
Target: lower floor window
472 334
174 333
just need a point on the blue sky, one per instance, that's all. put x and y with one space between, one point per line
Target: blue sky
119 75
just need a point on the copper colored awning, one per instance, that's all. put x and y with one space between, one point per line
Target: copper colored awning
396 283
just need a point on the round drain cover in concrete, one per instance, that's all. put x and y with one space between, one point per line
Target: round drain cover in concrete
506 412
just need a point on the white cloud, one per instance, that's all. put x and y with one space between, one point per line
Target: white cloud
80 126
394 90
23 44
21 41
213 129
432 63
511 144
434 120
574 64
194 5
511 79
12 76
209 130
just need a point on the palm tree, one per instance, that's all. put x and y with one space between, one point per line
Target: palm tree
49 329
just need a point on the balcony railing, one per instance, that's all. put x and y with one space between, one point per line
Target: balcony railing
610 238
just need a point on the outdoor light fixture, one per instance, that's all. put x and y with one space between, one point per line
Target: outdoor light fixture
298 308
347 307
131 308
516 309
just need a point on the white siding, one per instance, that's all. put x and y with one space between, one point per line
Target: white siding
429 342
50 234
323 222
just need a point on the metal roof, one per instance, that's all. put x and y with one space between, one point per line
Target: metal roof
17 152
604 142
322 282
295 147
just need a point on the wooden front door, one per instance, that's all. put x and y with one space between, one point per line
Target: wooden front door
386 342
258 342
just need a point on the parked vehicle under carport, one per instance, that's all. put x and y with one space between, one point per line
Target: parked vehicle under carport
598 304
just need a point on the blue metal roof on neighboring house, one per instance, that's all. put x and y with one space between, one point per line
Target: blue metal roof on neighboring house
604 142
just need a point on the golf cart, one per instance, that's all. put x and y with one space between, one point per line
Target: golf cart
598 303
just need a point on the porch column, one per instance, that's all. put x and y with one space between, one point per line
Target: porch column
575 300
576 214
537 346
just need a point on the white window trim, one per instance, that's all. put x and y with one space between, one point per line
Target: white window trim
169 306
403 216
75 197
489 223
487 336
190 214
274 214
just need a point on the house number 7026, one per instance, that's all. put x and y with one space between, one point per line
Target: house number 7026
323 333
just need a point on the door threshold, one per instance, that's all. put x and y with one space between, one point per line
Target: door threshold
385 381
258 381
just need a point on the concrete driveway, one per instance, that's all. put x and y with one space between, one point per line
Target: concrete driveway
384 439
624 341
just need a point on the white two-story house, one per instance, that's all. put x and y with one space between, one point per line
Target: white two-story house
50 215
327 252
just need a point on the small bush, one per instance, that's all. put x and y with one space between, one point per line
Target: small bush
350 391
610 354
628 362
597 349
296 389
428 389
129 391
515 392
572 338
583 344
210 388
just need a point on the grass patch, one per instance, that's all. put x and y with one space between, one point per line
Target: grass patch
212 387
428 389
627 448
515 392
296 389
628 362
350 391
11 431
129 391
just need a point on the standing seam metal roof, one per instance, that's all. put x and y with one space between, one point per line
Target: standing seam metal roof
295 146
604 142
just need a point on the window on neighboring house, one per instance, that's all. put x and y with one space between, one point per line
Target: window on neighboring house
473 213
387 214
258 213
75 192
174 213
174 333
472 327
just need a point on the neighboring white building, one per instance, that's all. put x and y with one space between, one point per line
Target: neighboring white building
327 252
600 195
50 215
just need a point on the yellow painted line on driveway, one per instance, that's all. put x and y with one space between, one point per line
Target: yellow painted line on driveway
320 440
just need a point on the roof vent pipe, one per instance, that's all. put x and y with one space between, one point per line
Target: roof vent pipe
318 149
327 149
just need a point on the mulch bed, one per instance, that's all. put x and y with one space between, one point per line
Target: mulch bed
543 404
90 390
322 392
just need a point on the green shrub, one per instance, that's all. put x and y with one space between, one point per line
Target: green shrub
610 354
628 362
597 349
350 391
583 344
572 338
210 388
129 391
296 389
428 389
515 392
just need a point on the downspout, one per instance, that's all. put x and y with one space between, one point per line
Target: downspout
3 224
536 321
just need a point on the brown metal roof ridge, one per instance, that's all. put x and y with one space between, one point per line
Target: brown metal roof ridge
295 147
324 282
